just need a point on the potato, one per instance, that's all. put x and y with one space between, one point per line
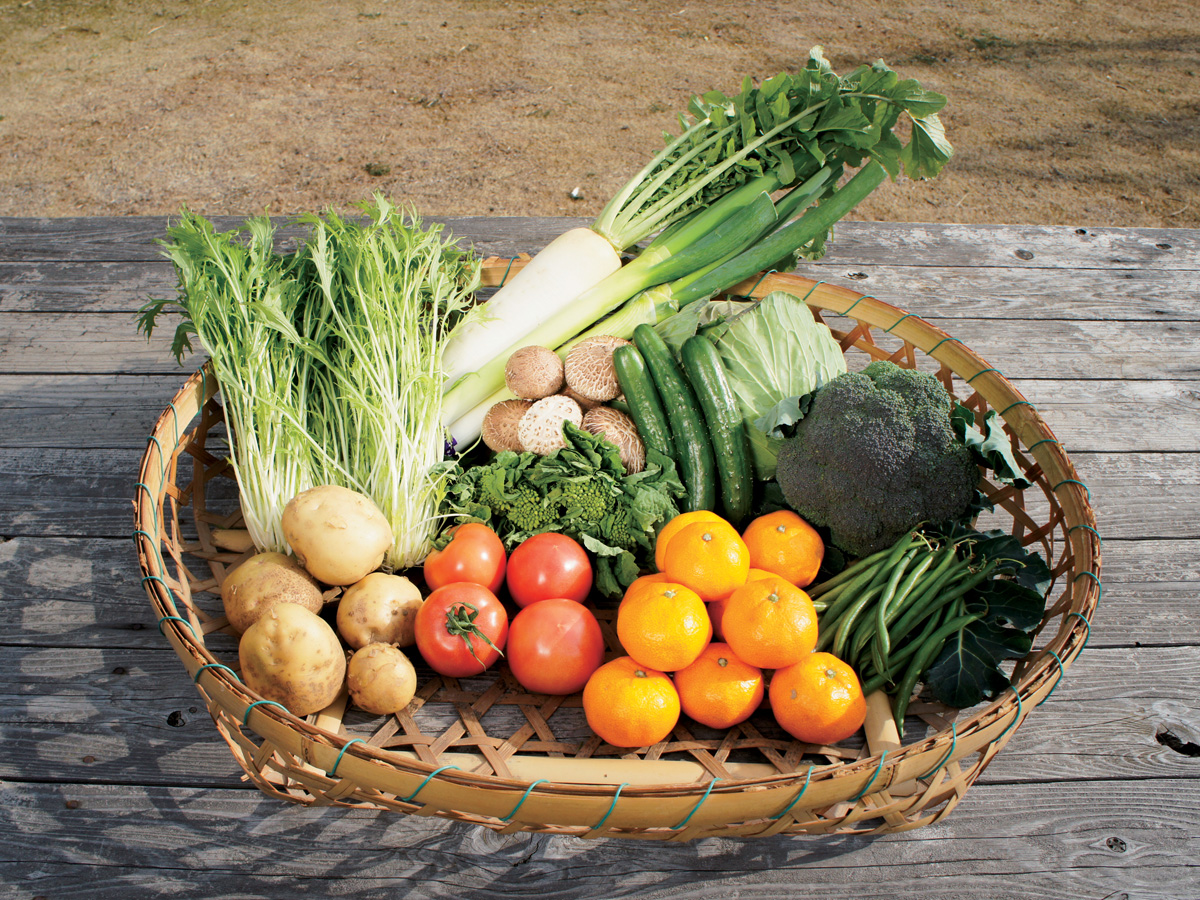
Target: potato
381 679
264 580
337 534
380 609
292 656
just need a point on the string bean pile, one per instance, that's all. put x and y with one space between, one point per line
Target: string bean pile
890 614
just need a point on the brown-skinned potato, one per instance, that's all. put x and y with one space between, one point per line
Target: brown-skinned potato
380 608
292 656
264 580
381 679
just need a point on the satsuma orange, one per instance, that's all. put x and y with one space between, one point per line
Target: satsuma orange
770 623
718 689
819 700
673 527
630 705
663 625
783 543
709 557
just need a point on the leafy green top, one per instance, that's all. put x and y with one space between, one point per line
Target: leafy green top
581 491
791 126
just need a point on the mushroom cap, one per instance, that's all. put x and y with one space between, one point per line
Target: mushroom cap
541 428
585 403
589 367
499 429
617 428
533 372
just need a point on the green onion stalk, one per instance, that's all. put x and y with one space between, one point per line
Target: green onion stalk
755 180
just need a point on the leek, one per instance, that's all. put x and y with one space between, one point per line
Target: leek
710 195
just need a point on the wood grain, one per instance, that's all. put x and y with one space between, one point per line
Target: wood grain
119 239
1042 840
1002 293
114 782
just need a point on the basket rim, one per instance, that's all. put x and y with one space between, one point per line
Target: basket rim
983 726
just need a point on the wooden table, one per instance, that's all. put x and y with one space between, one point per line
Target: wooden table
115 783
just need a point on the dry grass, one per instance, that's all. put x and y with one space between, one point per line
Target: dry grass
1082 113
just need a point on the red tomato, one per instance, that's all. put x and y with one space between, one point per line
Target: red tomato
548 565
461 629
554 646
475 553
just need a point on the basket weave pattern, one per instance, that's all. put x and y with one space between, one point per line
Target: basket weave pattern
486 751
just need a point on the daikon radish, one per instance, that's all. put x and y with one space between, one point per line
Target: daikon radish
568 266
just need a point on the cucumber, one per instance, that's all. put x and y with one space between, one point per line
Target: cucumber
645 407
726 430
693 453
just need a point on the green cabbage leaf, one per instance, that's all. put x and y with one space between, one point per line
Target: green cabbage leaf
775 354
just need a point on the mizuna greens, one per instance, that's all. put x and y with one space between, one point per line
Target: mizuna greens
328 358
711 196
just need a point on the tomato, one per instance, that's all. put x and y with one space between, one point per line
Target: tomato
548 565
554 646
475 553
461 629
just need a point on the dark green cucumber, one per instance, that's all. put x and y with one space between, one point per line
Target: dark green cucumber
693 453
726 430
645 407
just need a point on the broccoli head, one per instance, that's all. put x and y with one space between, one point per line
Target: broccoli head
875 456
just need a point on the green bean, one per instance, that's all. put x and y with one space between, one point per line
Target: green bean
846 622
893 596
847 574
962 587
933 596
834 611
920 662
896 661
871 627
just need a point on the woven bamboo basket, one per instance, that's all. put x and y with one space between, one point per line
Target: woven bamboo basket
487 752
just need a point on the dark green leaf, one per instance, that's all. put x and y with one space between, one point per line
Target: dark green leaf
992 447
1004 603
966 671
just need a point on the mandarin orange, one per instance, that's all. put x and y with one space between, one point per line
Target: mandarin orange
663 625
818 700
783 543
716 608
673 527
770 623
630 705
718 689
642 581
708 557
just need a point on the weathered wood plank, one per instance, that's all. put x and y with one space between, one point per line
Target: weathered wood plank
118 411
136 713
1035 295
72 287
60 492
113 239
108 343
1058 841
87 592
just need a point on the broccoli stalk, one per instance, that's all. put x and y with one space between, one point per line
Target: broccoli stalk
875 456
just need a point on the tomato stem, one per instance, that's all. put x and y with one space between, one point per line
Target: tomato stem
461 623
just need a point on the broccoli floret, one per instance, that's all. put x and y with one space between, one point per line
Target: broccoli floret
875 456
589 498
529 510
620 531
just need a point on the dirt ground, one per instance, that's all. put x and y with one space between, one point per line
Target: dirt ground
1061 111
